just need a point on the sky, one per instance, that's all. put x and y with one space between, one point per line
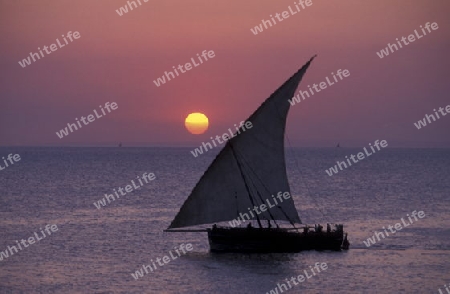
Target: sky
117 58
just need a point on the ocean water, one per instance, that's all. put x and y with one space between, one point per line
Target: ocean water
96 250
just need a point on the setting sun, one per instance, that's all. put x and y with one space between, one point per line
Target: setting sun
196 123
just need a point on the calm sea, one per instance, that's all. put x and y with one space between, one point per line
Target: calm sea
96 250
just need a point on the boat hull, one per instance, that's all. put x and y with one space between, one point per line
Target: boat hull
273 240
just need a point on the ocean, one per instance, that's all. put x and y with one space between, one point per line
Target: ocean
96 250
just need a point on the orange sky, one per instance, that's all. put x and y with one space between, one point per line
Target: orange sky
118 57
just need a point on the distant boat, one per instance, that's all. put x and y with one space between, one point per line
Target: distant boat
338 146
120 144
247 171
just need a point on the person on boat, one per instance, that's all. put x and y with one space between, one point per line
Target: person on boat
319 228
345 243
249 226
305 230
214 226
328 228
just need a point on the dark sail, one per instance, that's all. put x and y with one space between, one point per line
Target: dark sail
248 170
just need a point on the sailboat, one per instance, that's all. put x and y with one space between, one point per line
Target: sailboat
250 172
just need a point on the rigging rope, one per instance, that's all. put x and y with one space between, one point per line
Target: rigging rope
306 183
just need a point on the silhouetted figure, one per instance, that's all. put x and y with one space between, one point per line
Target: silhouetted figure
345 243
319 228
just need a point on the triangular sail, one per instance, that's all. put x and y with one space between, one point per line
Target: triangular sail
248 170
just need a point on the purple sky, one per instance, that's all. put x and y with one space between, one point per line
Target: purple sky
118 57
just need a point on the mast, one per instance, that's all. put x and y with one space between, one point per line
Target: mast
245 182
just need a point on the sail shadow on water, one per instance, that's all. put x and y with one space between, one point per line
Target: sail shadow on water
250 172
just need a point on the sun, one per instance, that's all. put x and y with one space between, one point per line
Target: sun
196 123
